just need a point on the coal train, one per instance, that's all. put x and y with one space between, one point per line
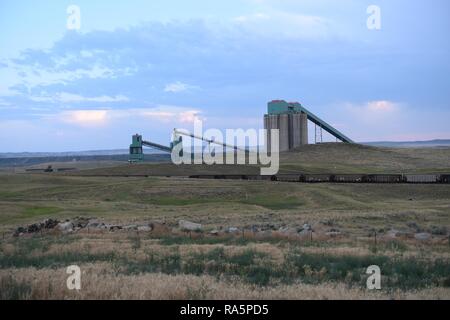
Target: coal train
339 178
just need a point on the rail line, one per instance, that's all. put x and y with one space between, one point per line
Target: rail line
305 178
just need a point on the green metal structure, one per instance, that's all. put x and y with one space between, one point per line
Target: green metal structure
282 107
136 152
137 144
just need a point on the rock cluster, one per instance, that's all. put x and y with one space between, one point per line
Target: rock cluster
36 227
76 224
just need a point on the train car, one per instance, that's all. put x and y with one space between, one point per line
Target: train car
288 177
254 177
347 178
316 178
421 178
444 178
383 178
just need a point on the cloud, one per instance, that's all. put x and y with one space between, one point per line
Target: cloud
70 97
382 106
287 25
100 117
172 114
374 111
85 117
178 87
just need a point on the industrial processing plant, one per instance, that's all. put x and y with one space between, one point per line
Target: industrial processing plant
291 119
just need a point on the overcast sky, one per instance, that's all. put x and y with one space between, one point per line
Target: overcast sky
150 66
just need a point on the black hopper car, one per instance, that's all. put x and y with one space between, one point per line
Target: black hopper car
340 178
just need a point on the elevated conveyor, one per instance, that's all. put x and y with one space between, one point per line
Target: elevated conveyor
327 127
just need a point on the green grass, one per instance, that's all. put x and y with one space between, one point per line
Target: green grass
275 202
29 212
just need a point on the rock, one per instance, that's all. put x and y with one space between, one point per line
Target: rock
393 233
214 232
65 227
130 227
19 232
94 223
440 231
35 227
307 227
80 222
189 226
422 236
113 227
145 228
232 230
50 223
414 226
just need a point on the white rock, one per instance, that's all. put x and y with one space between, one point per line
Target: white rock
144 228
233 229
189 226
422 236
65 226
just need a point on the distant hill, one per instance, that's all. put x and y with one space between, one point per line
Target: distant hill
411 144
114 152
75 159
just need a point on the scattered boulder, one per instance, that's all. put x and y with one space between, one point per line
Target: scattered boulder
392 233
114 227
36 227
439 230
145 228
80 222
232 230
19 232
130 227
50 223
95 224
66 227
214 232
189 226
422 236
413 225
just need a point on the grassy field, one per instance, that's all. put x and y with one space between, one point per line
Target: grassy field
315 158
266 258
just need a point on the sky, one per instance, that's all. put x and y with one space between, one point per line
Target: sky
150 66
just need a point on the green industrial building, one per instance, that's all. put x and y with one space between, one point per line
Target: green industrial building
291 119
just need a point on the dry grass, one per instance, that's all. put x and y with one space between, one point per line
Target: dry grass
98 282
